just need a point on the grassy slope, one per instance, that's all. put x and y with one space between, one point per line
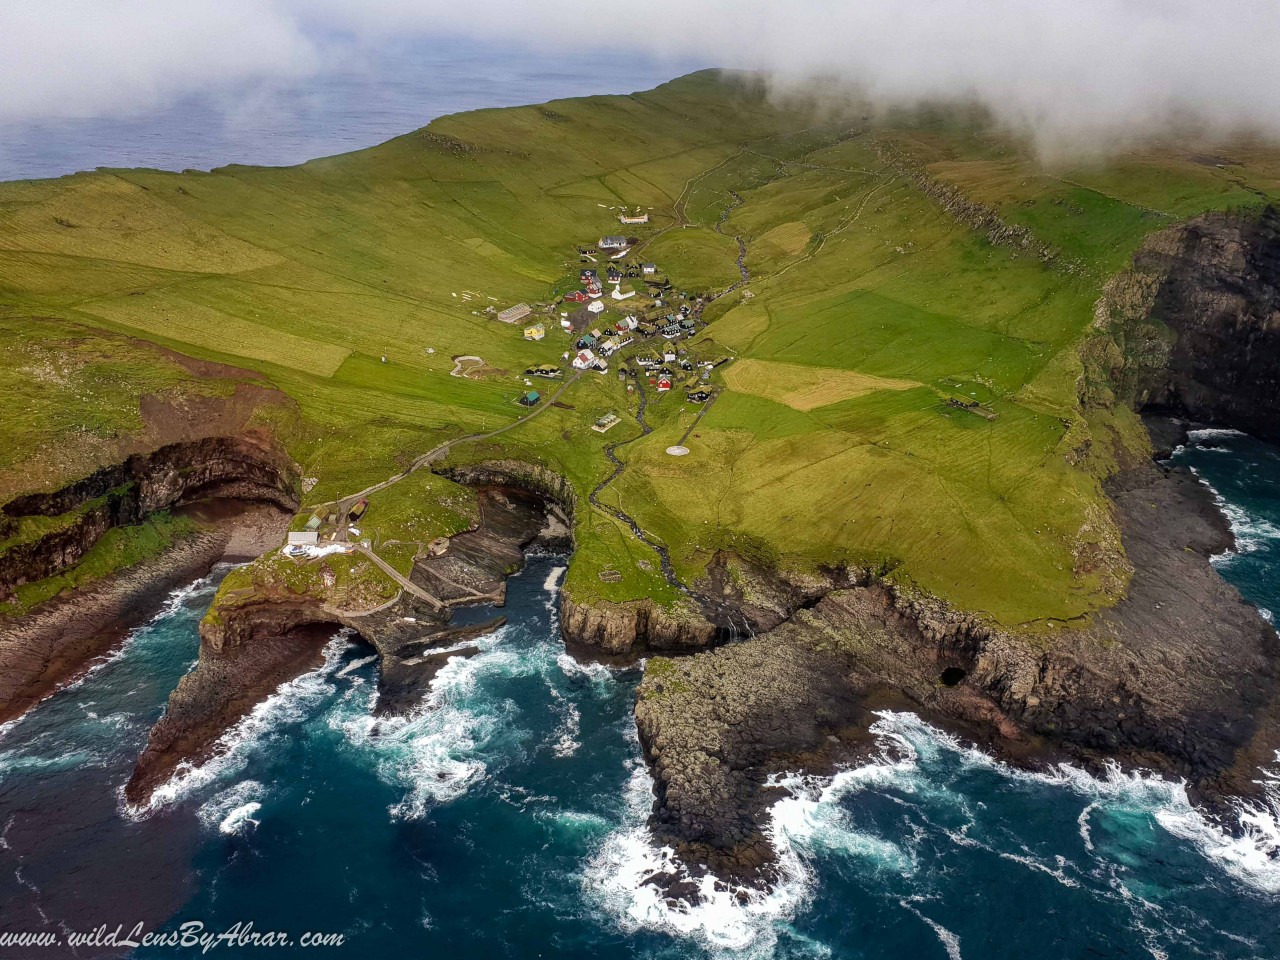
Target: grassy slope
310 274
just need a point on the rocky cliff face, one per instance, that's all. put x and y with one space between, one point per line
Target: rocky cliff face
247 467
1196 323
1141 684
633 628
250 645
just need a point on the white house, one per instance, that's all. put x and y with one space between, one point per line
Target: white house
613 243
584 359
622 293
648 269
595 306
669 356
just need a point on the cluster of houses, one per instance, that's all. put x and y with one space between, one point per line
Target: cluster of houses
597 338
661 372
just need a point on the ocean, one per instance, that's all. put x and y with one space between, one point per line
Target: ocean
508 817
363 99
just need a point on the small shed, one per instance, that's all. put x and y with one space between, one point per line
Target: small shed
512 314
531 399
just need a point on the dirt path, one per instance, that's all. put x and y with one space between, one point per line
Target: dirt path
702 412
435 453
457 370
399 578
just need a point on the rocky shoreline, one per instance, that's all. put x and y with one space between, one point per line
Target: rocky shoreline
249 649
54 644
774 671
1140 685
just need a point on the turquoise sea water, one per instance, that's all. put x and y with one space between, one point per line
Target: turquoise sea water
508 818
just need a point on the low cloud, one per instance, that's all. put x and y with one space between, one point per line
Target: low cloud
1071 74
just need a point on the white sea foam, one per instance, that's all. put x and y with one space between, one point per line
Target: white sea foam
1250 532
552 583
726 919
172 604
950 942
239 819
436 753
811 823
355 665
1252 857
566 743
231 811
291 703
1213 433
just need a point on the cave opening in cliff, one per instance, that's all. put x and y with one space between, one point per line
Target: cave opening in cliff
952 676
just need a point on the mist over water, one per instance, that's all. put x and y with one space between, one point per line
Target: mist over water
361 100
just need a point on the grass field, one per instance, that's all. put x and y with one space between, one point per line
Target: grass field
869 308
802 387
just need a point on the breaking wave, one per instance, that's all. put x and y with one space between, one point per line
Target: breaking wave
292 702
1251 532
924 770
232 811
435 753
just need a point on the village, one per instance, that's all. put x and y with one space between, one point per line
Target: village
632 319
631 316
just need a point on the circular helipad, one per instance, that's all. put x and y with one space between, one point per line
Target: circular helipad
677 451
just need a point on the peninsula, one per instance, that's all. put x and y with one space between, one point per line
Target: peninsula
832 411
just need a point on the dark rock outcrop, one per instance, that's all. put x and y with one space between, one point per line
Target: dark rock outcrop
1142 684
1194 327
249 647
633 628
43 650
1220 297
249 467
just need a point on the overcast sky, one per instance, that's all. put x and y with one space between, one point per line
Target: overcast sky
1065 71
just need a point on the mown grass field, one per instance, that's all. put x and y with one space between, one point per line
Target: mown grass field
870 308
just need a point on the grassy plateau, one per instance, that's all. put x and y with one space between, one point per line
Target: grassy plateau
871 313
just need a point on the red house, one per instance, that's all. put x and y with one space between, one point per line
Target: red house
664 384
578 296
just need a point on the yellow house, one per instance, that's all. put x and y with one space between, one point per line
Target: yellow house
535 331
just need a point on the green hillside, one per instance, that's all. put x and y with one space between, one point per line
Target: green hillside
871 314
